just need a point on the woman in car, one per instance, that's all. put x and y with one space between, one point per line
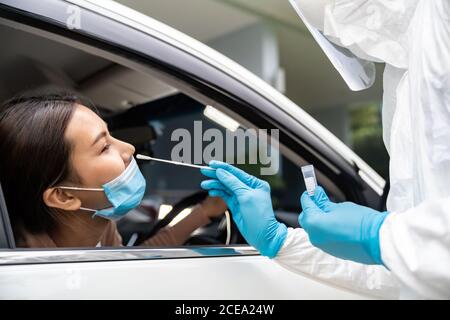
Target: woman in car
66 180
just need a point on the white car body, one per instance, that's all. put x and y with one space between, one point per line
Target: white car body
235 277
173 273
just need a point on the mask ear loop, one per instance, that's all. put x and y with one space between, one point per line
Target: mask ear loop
83 189
80 189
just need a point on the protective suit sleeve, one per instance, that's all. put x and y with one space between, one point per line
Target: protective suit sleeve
415 243
298 255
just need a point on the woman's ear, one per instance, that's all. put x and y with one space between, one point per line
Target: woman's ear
61 199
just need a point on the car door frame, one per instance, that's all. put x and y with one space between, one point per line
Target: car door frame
105 33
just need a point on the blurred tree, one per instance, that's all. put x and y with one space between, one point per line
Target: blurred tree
367 136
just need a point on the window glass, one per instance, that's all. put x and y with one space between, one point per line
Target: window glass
153 116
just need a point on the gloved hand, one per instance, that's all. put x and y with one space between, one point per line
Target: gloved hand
345 230
249 200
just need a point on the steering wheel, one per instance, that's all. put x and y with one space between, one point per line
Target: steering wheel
184 203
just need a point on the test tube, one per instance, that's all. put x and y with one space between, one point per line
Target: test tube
310 179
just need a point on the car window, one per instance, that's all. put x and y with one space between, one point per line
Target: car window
160 120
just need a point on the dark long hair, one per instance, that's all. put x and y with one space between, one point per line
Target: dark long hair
34 154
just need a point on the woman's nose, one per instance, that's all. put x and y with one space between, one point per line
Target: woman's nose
126 151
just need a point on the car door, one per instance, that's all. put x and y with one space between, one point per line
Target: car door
204 272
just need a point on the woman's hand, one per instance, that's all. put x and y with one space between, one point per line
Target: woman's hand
213 207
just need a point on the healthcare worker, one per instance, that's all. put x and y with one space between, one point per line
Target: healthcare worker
405 251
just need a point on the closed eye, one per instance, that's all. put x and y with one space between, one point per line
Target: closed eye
106 147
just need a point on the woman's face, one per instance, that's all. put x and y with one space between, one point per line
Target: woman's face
96 156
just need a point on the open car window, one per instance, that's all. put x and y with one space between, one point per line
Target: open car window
160 120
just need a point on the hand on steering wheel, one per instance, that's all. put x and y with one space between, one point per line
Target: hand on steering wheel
213 207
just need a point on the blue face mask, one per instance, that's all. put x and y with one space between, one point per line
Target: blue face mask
124 193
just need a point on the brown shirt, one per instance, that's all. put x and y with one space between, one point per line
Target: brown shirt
169 236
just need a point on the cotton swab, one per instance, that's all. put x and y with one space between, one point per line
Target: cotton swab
142 157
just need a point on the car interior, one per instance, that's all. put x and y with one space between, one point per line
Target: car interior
143 110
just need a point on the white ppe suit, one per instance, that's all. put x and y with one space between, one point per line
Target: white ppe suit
413 38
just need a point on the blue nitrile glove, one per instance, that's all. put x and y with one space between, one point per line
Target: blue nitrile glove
345 230
249 200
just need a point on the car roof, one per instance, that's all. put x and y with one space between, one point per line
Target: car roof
212 57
